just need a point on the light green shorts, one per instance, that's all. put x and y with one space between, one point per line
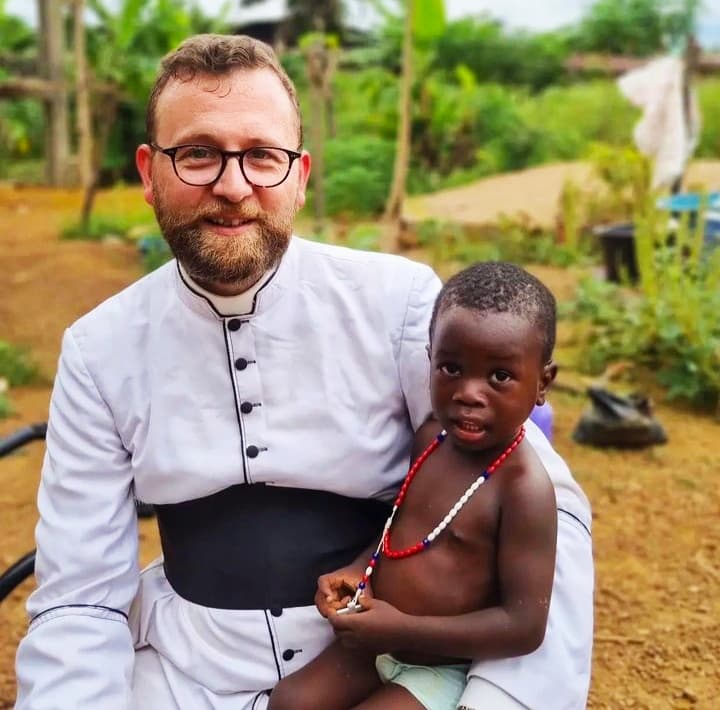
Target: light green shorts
436 687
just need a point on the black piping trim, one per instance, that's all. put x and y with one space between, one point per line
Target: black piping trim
258 696
567 512
212 305
272 642
81 606
262 288
235 401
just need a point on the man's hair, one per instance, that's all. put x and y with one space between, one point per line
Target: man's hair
499 287
217 55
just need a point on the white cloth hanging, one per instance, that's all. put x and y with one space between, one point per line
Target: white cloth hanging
663 133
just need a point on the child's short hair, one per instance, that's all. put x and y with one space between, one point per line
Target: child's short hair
499 287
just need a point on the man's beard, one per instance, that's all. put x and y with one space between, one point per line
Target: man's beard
212 258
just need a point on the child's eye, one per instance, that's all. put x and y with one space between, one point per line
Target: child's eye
500 377
449 368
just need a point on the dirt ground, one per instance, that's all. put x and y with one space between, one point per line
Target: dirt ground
656 533
532 194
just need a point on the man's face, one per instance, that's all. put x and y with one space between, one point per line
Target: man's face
486 376
227 234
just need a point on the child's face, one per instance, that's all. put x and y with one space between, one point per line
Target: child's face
486 375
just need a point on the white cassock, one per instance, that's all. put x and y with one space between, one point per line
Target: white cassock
259 425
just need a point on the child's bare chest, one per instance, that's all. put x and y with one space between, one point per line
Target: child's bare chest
436 495
457 572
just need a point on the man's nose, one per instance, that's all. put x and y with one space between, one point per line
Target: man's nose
232 184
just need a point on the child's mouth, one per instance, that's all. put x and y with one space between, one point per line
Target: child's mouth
467 431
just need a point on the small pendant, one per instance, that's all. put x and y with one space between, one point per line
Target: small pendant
352 608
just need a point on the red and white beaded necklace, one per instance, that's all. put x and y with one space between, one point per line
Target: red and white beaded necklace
384 544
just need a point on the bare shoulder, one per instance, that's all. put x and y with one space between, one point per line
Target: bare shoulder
424 435
526 481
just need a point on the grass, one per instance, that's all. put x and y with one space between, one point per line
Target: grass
122 225
118 212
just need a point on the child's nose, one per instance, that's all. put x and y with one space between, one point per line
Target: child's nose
471 393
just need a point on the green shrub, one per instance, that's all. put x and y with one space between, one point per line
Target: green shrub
358 173
102 226
670 325
364 236
573 117
366 102
16 365
21 140
508 241
497 55
633 27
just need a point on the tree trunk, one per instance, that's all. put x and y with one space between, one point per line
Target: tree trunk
82 100
105 119
56 107
315 61
393 207
328 98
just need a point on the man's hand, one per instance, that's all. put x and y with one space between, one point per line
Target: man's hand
337 588
379 627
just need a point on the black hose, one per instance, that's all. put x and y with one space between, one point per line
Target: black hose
25 566
21 437
16 574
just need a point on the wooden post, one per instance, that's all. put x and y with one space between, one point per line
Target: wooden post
82 99
56 107
393 207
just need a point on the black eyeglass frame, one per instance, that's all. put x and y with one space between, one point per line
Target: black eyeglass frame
293 155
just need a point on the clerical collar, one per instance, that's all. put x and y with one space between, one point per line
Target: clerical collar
241 304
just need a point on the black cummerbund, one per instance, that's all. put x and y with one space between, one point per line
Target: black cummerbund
262 547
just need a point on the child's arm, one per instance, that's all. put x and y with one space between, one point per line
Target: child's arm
526 563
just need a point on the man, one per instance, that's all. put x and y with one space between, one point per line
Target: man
261 391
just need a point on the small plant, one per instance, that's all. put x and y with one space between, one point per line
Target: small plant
16 368
16 365
571 215
126 227
5 407
626 176
358 174
510 240
670 324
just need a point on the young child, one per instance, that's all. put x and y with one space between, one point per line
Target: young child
464 568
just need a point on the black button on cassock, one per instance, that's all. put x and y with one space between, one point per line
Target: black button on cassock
241 363
252 451
234 324
246 407
288 654
276 612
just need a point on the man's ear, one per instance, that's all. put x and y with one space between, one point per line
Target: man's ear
143 161
549 373
305 164
428 351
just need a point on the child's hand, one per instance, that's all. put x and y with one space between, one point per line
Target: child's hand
379 627
337 588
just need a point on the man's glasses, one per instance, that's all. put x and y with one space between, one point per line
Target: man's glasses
201 165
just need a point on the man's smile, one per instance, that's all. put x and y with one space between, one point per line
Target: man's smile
224 222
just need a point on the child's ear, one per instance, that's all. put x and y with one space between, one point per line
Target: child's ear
549 373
